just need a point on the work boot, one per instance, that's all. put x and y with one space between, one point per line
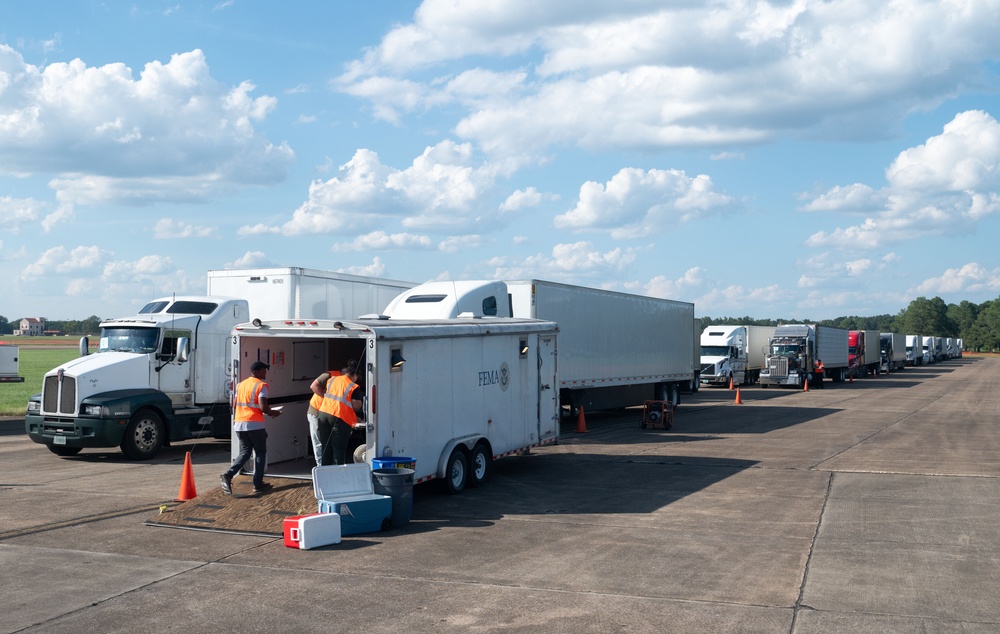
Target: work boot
263 488
227 483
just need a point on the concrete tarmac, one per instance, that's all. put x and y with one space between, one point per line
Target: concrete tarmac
863 507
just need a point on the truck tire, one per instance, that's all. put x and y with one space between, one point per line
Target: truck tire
481 465
64 451
456 472
144 435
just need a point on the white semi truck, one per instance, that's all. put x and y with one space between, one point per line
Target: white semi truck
615 349
733 353
9 364
914 350
452 395
162 375
793 350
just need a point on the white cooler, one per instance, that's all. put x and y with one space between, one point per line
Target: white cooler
312 531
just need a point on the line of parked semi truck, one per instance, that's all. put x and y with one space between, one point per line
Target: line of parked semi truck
787 355
453 374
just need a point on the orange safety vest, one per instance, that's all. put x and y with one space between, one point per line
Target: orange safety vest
248 401
337 400
316 402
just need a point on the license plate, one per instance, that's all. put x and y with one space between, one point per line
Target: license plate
59 440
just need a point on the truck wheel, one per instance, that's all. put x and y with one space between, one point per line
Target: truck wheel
63 450
143 436
482 463
457 471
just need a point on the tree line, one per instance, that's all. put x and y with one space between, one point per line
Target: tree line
88 326
978 325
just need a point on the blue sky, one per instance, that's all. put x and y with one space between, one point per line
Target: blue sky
797 159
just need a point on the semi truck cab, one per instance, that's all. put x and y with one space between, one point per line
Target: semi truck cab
157 377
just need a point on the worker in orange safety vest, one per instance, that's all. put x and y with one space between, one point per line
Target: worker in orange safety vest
337 413
312 415
248 422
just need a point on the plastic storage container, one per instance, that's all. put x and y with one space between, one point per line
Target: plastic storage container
397 483
394 462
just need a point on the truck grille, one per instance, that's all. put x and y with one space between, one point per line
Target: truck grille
55 401
778 367
708 368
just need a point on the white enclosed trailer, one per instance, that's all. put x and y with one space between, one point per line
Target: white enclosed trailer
615 349
453 395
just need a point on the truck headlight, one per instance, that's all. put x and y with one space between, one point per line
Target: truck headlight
92 410
34 407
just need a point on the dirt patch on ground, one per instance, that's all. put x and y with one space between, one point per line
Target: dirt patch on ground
243 512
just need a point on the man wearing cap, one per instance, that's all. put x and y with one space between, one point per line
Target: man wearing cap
248 422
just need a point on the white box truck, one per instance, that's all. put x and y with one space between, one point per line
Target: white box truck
615 349
9 364
795 347
453 395
162 375
893 351
736 353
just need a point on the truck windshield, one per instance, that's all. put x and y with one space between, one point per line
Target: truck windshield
140 340
785 350
715 351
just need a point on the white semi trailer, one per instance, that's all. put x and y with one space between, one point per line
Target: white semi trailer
453 395
615 349
162 375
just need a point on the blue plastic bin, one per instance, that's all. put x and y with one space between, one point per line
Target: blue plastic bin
394 462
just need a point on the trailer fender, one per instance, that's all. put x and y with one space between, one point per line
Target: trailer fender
467 441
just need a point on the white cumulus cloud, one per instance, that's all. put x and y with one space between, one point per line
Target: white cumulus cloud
636 203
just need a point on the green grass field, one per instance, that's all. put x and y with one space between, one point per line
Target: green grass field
36 356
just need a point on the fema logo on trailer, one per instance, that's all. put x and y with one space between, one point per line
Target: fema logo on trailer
499 377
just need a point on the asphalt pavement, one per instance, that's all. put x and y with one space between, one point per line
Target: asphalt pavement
862 507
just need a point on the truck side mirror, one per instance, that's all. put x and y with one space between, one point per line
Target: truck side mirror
84 346
183 349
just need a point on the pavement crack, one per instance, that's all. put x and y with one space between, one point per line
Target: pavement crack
799 605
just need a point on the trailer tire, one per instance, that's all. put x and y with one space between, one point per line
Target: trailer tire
144 435
64 451
480 466
456 472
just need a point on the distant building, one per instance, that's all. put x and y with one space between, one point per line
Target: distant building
31 327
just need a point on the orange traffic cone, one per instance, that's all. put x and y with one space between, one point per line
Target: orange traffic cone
581 423
187 491
805 386
739 399
851 379
730 383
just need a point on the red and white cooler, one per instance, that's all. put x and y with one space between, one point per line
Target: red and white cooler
312 531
